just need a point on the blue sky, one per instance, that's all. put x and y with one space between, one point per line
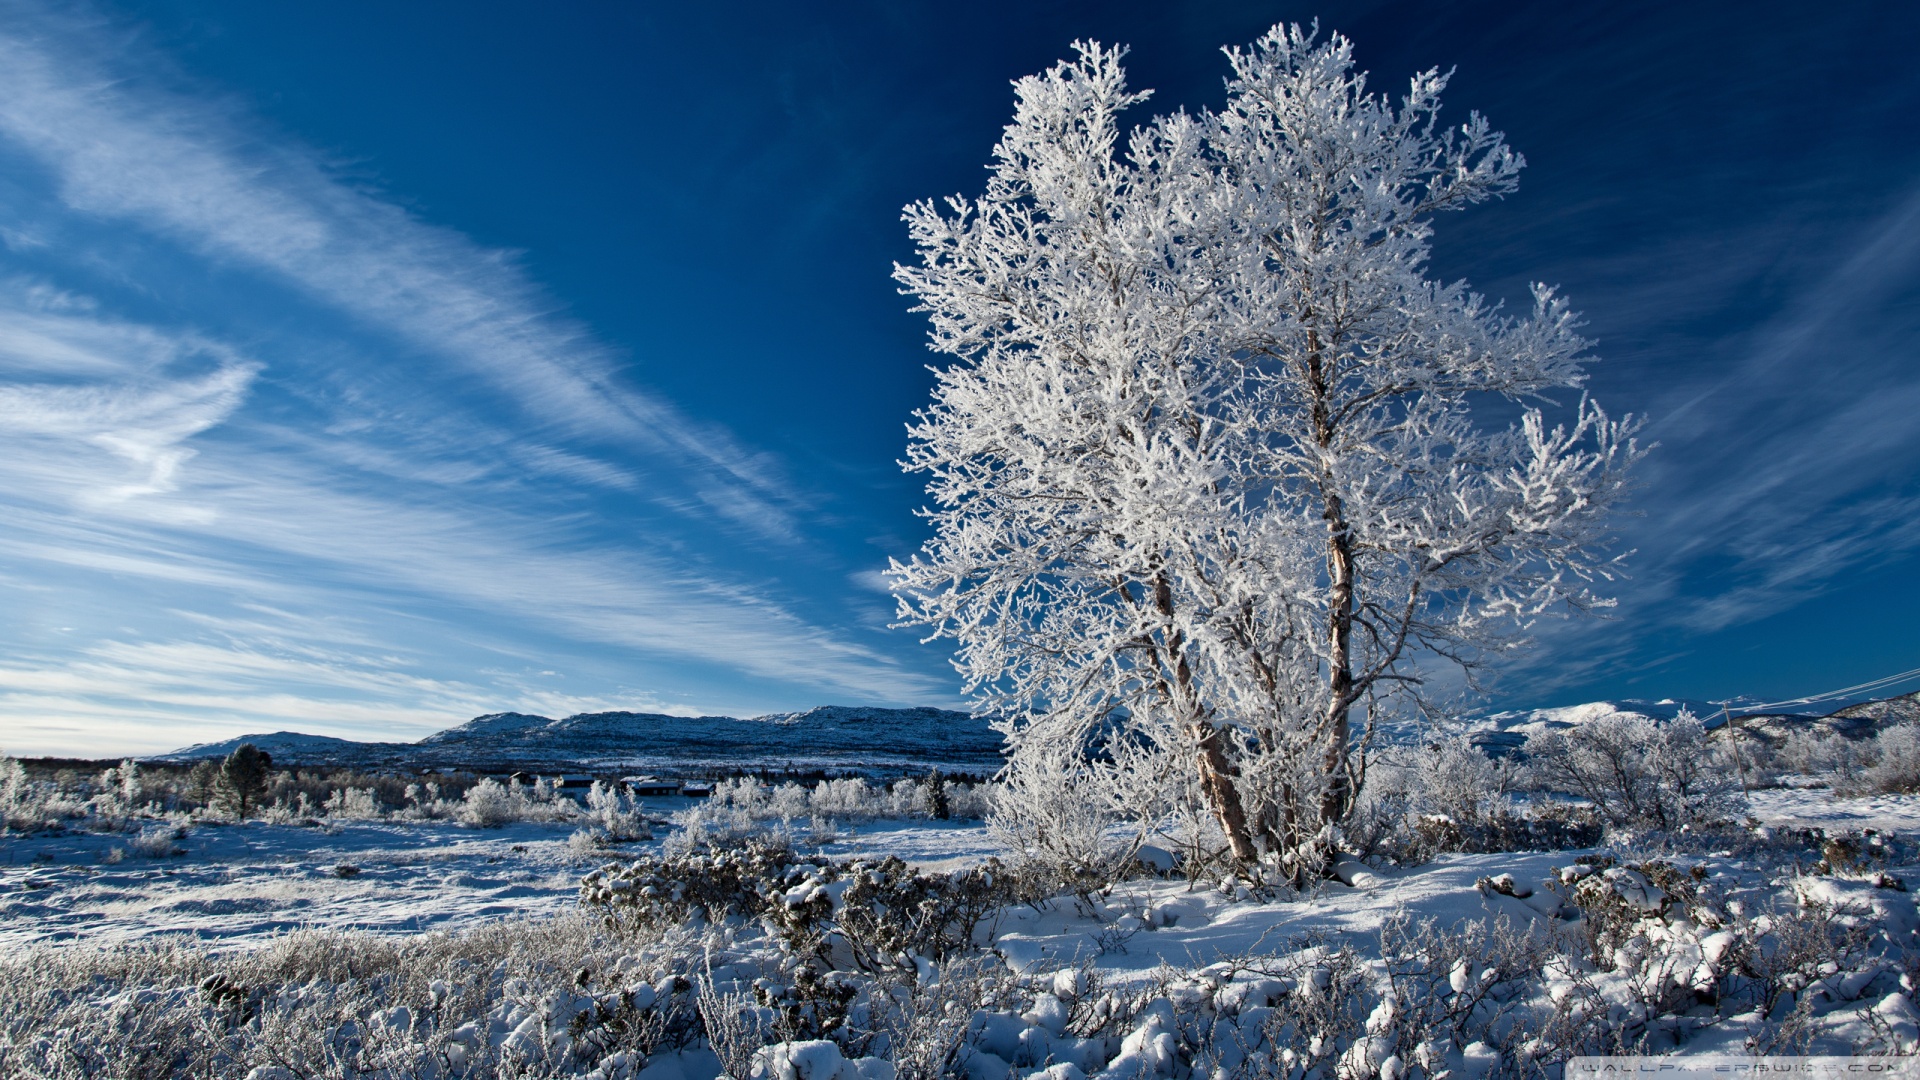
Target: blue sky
365 367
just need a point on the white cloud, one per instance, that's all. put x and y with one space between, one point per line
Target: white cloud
71 382
366 522
194 171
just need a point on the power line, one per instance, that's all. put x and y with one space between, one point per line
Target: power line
1861 688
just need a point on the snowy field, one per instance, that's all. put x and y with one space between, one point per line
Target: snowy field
325 951
244 883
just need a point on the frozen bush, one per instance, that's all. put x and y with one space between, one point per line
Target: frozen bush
616 813
707 885
297 809
1895 769
865 914
353 804
971 802
743 807
1449 777
1051 813
1638 772
876 915
789 801
1448 796
31 805
588 843
1457 779
849 799
18 807
428 802
488 805
119 795
158 842
1824 754
717 825
523 998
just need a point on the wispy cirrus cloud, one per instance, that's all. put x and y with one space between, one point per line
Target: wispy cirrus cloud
1785 465
254 523
406 548
142 698
134 393
122 147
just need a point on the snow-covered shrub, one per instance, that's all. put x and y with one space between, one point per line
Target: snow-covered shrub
1618 900
743 807
587 843
119 794
1457 779
970 802
738 810
789 802
353 804
1639 772
1452 988
865 915
158 841
1436 1001
617 813
1053 814
490 804
876 915
705 886
431 801
31 805
1824 754
1896 764
849 798
923 1023
19 809
523 998
1448 795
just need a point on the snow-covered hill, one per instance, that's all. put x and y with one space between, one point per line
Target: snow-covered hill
1503 731
831 736
854 738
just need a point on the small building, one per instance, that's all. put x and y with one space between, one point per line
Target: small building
573 782
644 787
696 789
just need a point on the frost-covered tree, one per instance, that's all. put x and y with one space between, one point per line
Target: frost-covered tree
1638 772
1206 462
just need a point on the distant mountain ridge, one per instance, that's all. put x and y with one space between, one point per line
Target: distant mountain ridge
885 741
839 737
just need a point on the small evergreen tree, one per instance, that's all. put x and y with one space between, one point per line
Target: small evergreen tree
938 807
203 782
243 778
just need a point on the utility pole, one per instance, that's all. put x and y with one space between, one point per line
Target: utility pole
1733 740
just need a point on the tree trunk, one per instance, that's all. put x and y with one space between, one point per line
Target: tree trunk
1217 771
1338 798
1217 776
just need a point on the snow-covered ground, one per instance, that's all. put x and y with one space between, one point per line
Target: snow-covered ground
1149 978
1816 806
241 882
246 883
